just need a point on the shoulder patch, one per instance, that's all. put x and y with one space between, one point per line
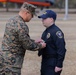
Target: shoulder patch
59 34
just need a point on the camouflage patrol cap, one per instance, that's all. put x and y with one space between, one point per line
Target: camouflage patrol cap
29 7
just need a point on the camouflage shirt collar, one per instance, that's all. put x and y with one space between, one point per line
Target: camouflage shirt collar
21 18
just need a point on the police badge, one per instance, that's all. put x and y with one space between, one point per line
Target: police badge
48 35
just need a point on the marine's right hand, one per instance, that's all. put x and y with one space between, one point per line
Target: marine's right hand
39 41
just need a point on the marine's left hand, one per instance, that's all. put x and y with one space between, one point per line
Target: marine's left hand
57 69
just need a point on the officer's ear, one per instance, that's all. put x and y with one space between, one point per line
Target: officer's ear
51 19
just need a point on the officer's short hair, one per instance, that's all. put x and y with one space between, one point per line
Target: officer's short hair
29 7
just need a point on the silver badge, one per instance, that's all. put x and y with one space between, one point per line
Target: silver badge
48 35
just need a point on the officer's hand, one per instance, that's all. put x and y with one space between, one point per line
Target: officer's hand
57 69
43 44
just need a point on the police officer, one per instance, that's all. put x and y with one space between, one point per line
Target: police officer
54 52
16 40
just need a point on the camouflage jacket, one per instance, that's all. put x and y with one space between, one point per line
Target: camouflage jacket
15 42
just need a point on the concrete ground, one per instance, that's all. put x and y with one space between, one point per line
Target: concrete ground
32 62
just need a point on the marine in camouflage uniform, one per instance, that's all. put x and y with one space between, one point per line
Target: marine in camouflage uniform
15 42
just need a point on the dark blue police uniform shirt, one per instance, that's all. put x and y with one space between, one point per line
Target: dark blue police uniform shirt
54 52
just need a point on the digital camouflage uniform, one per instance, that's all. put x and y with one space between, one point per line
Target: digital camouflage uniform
14 44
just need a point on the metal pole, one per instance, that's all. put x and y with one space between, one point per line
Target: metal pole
7 6
66 10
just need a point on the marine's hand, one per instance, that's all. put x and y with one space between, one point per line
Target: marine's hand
57 69
43 44
39 41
